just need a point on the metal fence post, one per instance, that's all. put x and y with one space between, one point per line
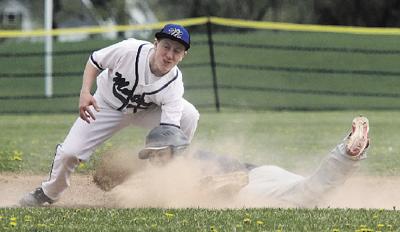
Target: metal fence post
212 63
48 59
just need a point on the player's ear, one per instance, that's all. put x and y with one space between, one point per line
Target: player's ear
184 54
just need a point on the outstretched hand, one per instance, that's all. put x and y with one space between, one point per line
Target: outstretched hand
85 101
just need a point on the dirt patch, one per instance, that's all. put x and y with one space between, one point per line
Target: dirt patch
82 193
131 183
357 192
367 192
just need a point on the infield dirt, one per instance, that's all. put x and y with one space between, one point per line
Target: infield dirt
357 192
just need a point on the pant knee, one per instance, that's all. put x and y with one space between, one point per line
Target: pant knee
193 115
67 156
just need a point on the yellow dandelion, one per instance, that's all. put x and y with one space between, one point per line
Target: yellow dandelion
13 218
247 220
169 215
380 225
366 230
259 222
27 218
81 165
13 223
16 155
335 230
212 228
16 158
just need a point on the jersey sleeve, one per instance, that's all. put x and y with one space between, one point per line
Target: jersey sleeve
172 104
108 57
171 113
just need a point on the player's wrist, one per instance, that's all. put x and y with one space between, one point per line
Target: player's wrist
85 91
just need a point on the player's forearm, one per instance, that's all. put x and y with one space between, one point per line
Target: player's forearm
89 76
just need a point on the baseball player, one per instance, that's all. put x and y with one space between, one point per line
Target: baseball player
163 143
138 83
266 185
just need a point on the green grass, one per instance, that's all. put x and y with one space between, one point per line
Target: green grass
96 219
331 90
294 140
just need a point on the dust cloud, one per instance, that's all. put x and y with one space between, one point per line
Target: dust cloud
181 184
127 182
176 185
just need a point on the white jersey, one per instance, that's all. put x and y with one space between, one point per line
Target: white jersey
127 84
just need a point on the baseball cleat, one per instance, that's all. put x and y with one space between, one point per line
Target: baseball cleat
358 139
35 198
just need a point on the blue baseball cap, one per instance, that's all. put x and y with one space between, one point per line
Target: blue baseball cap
175 32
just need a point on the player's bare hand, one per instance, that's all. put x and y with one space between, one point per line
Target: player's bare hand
85 101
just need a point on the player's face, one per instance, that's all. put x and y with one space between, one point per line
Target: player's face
168 53
161 157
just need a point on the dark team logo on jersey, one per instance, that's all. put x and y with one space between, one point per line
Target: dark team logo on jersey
120 88
123 93
138 102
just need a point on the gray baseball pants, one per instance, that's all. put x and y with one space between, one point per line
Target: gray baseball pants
274 186
84 138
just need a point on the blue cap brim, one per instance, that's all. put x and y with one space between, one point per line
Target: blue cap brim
160 35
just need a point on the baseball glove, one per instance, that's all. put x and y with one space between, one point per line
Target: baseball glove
114 168
224 184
